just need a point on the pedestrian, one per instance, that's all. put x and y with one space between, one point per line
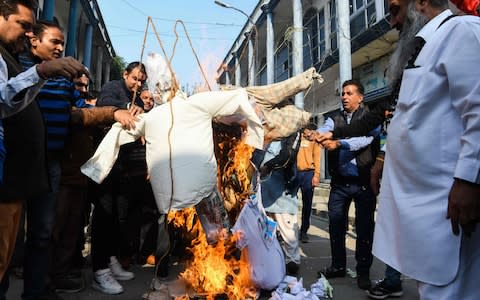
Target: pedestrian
349 163
117 195
24 166
308 172
430 184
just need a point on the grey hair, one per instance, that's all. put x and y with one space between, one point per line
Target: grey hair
414 21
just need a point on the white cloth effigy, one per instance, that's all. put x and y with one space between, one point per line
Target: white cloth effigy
193 161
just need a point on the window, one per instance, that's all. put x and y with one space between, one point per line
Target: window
282 64
333 25
263 77
313 37
310 39
362 15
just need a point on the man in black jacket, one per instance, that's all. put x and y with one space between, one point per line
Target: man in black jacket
349 163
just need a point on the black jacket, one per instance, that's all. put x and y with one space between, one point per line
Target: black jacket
25 170
369 121
364 157
115 93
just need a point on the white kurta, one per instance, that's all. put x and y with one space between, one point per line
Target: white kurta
193 160
434 136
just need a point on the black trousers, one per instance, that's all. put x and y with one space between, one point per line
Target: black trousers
341 196
119 197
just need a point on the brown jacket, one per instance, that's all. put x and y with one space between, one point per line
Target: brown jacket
80 145
308 157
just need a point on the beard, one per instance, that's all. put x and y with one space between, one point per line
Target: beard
414 21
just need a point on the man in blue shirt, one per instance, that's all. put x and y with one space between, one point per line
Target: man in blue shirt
349 163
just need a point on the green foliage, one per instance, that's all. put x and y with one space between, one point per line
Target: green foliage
117 68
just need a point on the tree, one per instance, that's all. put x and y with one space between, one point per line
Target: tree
117 68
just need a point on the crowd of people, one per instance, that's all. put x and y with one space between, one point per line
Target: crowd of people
426 177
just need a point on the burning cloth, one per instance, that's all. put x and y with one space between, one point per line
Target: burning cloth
192 162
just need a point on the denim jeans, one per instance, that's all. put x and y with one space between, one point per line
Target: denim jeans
305 181
341 196
40 220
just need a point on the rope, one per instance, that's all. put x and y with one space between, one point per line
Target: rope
174 88
191 46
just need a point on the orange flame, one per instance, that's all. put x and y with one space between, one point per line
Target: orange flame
221 269
214 269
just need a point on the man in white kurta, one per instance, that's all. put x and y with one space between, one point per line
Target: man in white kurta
433 152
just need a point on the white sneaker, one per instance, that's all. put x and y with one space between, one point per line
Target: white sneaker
118 272
104 282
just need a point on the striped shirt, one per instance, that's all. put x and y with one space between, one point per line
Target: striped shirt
55 100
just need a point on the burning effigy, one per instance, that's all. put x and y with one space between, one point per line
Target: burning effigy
198 152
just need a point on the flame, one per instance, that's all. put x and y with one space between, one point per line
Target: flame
234 174
214 269
221 269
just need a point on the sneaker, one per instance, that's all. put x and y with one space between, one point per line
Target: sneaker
104 282
118 272
304 237
332 272
69 284
382 291
363 281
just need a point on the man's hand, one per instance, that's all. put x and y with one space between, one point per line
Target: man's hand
135 110
375 175
331 145
315 180
66 66
125 118
323 136
464 206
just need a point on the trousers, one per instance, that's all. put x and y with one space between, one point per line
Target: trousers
341 196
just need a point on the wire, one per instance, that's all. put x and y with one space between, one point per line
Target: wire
173 21
170 35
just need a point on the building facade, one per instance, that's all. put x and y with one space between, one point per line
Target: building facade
266 53
86 35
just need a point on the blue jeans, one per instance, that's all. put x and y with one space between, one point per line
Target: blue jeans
341 196
40 220
305 181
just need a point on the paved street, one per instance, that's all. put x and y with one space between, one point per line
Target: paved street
315 256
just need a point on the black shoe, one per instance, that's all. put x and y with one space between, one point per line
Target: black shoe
304 237
69 284
383 291
363 281
292 268
332 272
